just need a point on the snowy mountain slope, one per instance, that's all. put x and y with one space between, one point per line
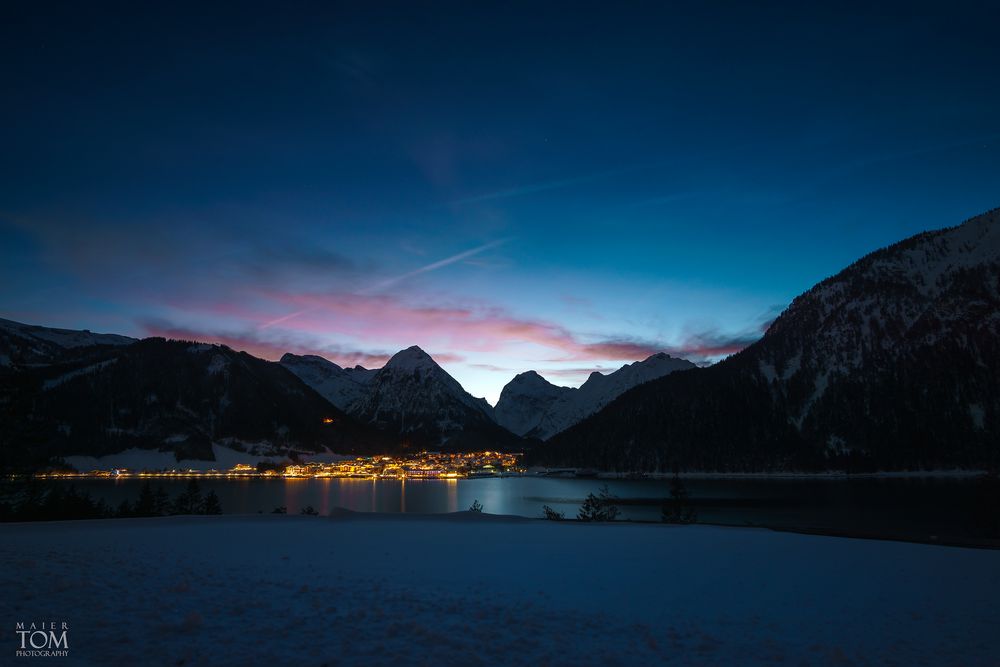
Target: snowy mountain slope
27 344
937 292
531 406
525 400
341 386
892 363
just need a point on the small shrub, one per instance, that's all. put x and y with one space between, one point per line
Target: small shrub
476 506
280 510
600 507
551 514
308 510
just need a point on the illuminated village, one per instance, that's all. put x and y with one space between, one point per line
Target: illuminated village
425 465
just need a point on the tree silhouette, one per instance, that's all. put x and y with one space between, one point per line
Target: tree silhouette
146 504
551 514
211 504
190 501
600 507
678 508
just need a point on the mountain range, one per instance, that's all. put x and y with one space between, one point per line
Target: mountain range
70 393
173 396
893 363
416 399
531 406
411 397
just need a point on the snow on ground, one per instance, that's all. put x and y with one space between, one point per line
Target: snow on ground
468 589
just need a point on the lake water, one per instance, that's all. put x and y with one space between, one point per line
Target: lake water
904 507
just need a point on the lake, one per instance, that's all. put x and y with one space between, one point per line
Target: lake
916 508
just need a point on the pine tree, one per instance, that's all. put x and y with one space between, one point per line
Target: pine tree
678 508
161 502
146 504
189 502
211 504
125 509
600 507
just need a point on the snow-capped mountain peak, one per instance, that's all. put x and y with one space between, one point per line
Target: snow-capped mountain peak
413 369
411 395
411 358
530 379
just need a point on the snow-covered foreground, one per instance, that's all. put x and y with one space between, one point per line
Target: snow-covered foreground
467 589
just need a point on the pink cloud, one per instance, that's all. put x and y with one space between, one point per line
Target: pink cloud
475 328
273 322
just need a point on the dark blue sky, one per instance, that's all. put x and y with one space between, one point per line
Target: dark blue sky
558 186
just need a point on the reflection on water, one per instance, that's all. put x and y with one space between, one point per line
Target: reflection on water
869 505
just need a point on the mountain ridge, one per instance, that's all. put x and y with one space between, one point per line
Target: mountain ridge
176 396
892 363
532 406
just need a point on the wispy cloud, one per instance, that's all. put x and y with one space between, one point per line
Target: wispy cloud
555 184
711 345
529 189
265 347
471 328
389 282
434 266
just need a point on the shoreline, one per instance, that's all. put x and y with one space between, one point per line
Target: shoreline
832 475
617 476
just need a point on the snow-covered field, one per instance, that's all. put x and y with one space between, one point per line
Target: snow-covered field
469 589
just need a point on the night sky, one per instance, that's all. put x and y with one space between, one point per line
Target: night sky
509 186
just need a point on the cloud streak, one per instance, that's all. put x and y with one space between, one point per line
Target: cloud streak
556 184
265 348
434 266
385 284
